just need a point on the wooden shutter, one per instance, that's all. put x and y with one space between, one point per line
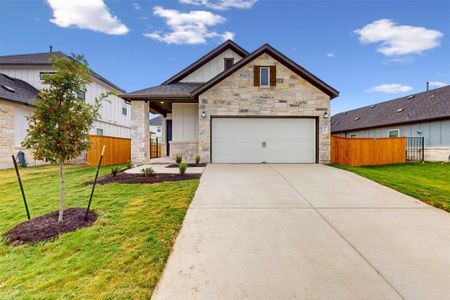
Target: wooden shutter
228 63
256 75
273 75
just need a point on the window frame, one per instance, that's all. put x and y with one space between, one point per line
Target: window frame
268 76
83 94
392 130
97 131
226 60
354 135
124 109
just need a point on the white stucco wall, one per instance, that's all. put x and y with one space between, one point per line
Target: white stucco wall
112 121
185 122
212 68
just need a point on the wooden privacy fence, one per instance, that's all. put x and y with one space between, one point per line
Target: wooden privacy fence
118 150
368 151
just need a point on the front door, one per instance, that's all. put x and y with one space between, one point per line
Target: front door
168 135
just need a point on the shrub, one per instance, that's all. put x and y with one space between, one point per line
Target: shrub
197 159
114 171
129 164
148 171
178 159
182 167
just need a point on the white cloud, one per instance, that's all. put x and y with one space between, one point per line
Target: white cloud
86 14
188 28
331 55
391 88
437 84
221 4
399 39
136 6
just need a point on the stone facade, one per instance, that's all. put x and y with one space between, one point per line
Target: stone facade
292 96
188 150
140 134
7 135
437 154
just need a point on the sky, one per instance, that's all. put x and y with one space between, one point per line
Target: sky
371 51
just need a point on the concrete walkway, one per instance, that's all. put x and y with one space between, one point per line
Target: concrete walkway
306 232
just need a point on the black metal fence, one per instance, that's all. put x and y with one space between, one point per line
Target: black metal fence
415 149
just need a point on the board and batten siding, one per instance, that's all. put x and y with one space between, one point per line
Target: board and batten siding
212 68
112 121
435 133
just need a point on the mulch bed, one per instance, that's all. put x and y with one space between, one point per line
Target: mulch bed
47 227
123 177
201 165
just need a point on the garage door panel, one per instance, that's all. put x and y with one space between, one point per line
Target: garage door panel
240 140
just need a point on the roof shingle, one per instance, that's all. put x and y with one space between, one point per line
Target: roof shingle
179 89
430 105
17 90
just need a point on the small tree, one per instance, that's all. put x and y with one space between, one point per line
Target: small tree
59 127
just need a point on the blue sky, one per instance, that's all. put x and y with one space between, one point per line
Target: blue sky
400 45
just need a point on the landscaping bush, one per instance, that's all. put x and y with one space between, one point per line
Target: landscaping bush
197 159
148 171
182 167
178 159
114 171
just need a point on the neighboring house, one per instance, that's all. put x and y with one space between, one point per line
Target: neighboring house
231 106
115 114
425 114
156 128
16 98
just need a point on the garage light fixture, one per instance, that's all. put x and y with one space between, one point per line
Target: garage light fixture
203 114
325 114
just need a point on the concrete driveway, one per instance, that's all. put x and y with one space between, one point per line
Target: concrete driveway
306 232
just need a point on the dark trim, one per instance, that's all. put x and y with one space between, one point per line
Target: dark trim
266 48
129 97
229 44
262 117
392 124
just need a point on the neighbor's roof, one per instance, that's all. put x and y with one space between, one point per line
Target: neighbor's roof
156 121
425 106
43 59
173 88
16 90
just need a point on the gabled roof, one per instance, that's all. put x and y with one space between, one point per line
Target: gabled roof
229 44
175 90
425 106
156 121
43 59
16 90
293 66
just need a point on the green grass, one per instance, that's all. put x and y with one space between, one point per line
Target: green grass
429 182
120 257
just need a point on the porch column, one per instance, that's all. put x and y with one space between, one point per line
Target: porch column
140 133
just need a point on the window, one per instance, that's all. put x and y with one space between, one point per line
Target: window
394 133
158 129
228 63
99 131
41 74
124 111
353 135
81 95
264 76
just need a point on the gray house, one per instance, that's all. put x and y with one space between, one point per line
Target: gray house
425 114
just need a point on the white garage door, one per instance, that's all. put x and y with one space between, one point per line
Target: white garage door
257 140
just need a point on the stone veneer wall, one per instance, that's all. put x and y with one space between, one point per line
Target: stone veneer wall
292 96
140 134
187 149
437 154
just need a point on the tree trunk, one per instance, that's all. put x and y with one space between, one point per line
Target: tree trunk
61 191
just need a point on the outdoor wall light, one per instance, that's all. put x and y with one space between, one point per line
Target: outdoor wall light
325 114
203 114
162 102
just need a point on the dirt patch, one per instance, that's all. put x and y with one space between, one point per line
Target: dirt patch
123 177
202 165
47 227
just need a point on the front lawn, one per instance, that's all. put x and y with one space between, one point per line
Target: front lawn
121 256
429 182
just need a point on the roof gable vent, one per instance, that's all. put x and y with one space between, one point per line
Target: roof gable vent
357 118
8 88
400 110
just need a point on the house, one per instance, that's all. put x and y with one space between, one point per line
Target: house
156 128
232 106
23 73
425 114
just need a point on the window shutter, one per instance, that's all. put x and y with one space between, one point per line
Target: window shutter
273 75
256 75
